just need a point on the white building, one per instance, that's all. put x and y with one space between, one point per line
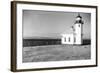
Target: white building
76 36
67 39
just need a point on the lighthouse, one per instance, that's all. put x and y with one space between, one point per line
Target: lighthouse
77 36
78 30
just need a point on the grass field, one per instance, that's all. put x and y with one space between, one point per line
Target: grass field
56 53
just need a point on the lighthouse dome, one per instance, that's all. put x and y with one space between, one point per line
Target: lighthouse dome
78 16
79 19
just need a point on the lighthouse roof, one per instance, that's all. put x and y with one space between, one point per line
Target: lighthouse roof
78 16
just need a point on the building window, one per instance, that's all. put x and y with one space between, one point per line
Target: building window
65 39
69 39
74 39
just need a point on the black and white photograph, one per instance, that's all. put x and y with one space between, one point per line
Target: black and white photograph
52 36
56 36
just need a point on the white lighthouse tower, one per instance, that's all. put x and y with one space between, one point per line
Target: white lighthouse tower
78 30
76 36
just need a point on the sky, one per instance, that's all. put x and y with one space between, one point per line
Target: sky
52 24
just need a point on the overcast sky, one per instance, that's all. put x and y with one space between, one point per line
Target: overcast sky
52 24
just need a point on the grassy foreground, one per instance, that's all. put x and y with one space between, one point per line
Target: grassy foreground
56 53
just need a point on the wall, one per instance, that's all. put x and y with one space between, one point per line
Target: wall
5 37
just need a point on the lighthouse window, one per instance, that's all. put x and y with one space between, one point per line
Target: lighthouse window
78 25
